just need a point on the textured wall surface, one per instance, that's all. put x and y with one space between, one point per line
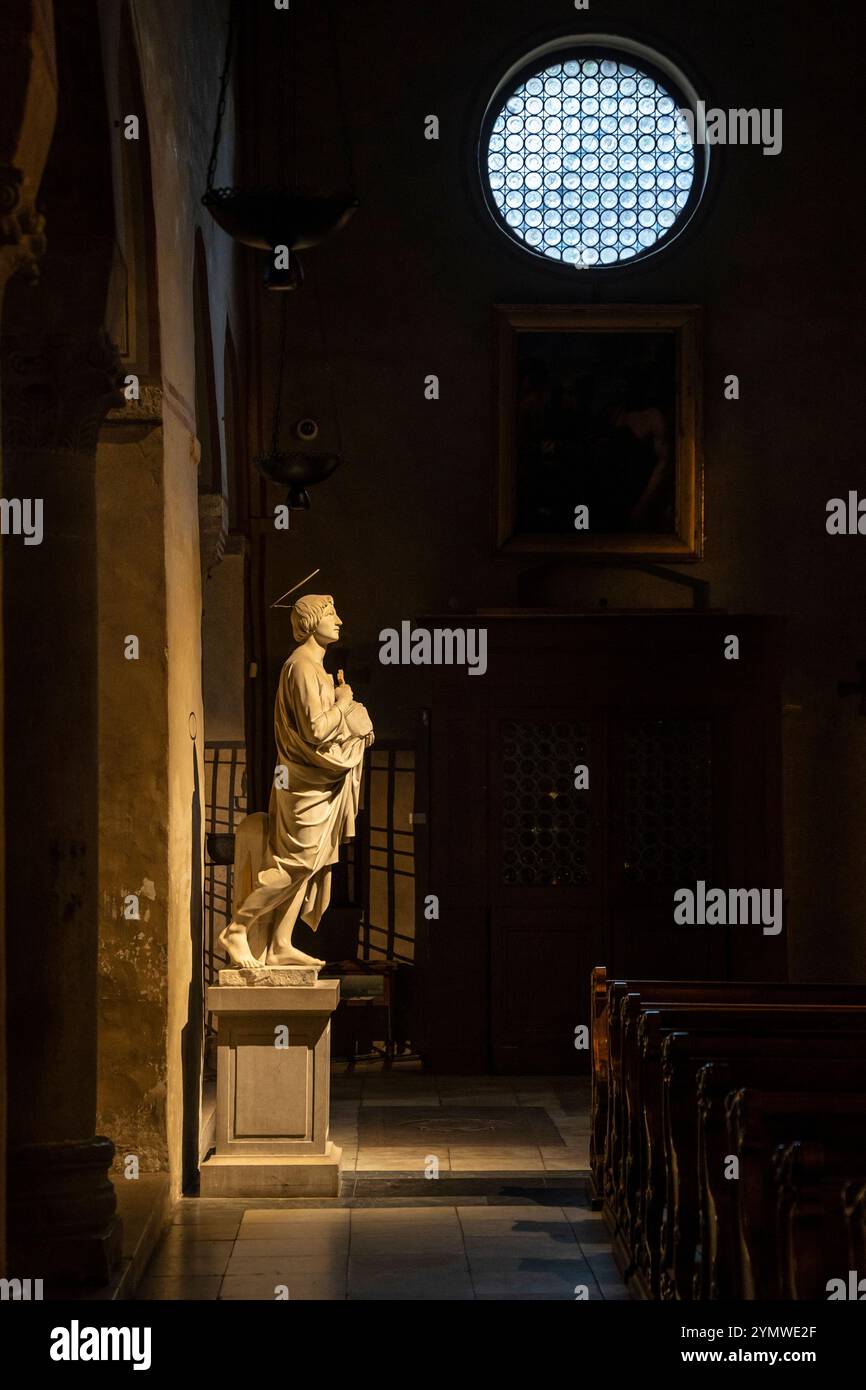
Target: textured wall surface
152 741
408 288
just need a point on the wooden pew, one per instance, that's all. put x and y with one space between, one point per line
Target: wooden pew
807 1054
811 1179
757 1122
640 1085
606 996
855 1216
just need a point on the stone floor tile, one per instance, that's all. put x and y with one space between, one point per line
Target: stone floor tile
475 1083
413 1262
426 1286
179 1287
552 1284
428 1102
482 1099
572 1160
193 1261
192 1237
199 1233
524 1292
401 1160
615 1293
328 1262
185 1217
529 1254
323 1244
513 1212
489 1160
410 1212
415 1293
406 1253
491 1241
301 1288
515 1209
257 1237
323 1217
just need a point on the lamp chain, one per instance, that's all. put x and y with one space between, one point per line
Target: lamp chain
339 77
221 105
278 400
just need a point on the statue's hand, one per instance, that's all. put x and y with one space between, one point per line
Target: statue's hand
343 694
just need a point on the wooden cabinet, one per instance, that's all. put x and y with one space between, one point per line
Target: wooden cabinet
537 879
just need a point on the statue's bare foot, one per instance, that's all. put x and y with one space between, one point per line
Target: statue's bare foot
292 956
237 947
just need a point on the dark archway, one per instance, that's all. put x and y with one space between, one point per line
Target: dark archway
60 377
211 471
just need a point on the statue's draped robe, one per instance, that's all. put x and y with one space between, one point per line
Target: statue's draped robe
322 752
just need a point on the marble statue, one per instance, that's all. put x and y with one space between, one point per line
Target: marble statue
321 734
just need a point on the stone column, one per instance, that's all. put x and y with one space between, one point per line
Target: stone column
28 111
21 243
61 1213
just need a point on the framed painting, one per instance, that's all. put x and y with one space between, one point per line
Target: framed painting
599 431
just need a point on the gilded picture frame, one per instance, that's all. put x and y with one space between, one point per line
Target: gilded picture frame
600 431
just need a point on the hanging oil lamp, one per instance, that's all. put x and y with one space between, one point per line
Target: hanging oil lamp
271 219
296 469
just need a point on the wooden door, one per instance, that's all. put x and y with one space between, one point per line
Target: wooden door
667 828
684 753
546 866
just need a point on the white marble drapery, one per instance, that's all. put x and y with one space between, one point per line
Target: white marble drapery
320 743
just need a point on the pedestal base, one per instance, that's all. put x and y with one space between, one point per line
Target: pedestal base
272 1175
62 1223
269 976
273 1080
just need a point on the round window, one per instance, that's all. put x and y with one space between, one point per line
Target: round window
587 156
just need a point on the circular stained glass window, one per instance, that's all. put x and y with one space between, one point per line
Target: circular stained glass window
587 158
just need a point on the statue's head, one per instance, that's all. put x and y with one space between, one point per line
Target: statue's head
315 614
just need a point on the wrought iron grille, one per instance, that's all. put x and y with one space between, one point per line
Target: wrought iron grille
225 805
668 801
388 930
590 161
546 822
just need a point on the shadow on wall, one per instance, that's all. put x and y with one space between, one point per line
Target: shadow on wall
192 1033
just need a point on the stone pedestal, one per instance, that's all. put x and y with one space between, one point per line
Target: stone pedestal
273 1086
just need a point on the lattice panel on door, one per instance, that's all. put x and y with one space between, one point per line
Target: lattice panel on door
668 801
546 822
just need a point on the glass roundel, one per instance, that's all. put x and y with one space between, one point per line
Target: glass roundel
590 161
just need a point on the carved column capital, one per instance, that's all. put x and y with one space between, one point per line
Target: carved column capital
22 228
57 389
133 419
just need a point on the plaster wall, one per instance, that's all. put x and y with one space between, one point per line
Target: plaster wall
133 834
408 289
223 649
159 988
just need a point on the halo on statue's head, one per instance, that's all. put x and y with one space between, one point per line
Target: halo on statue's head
307 610
278 603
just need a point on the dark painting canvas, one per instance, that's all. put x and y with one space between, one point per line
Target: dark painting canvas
595 415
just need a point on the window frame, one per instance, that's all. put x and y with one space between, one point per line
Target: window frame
614 47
